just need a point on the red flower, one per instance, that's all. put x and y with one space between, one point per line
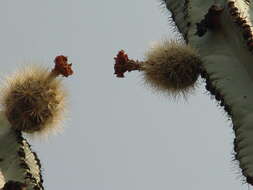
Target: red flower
62 67
121 63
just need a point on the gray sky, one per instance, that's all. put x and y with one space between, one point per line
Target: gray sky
119 135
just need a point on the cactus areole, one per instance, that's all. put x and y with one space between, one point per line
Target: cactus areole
222 34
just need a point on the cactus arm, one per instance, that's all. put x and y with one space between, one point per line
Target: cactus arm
18 162
227 67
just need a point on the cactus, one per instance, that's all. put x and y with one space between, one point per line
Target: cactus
33 102
220 32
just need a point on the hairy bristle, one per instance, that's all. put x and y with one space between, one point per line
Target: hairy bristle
32 102
172 66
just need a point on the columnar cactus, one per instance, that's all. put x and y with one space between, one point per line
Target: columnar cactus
33 101
220 32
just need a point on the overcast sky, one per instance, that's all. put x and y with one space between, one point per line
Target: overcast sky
119 134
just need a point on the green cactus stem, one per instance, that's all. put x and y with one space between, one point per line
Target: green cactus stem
18 162
221 33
